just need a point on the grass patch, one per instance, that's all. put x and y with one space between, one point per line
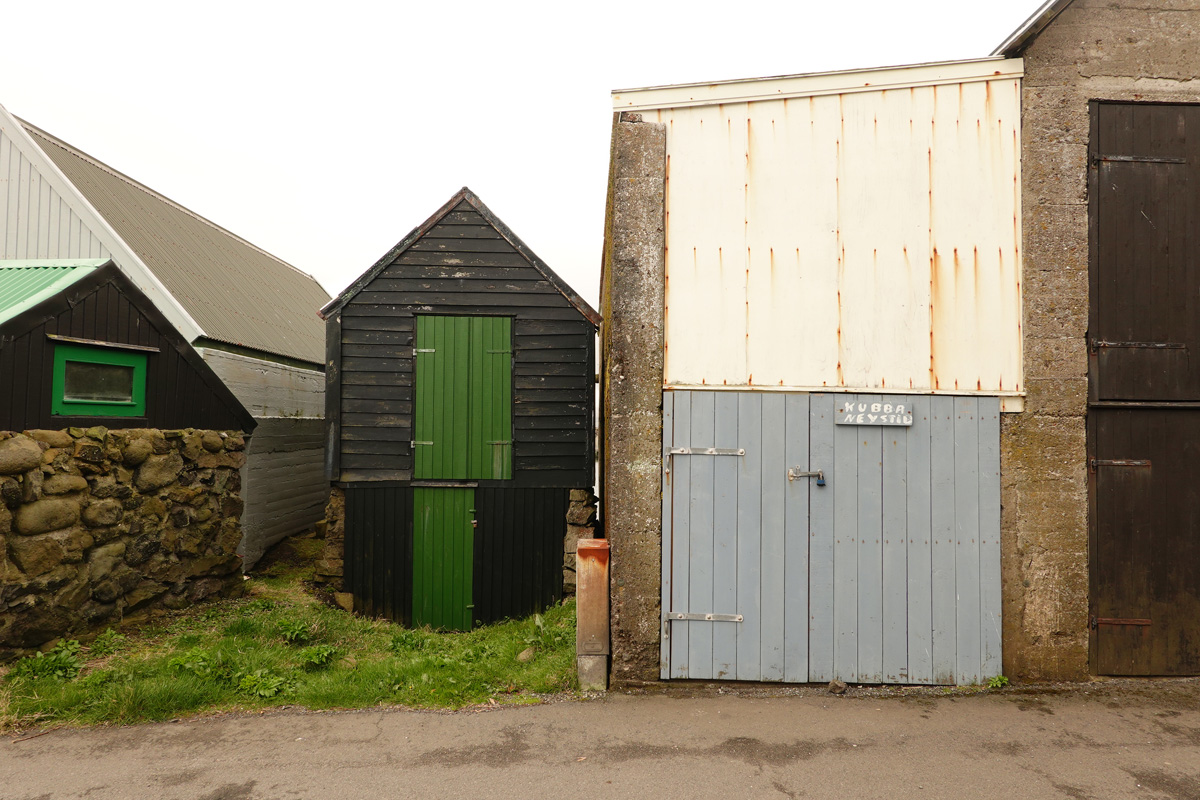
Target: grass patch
282 646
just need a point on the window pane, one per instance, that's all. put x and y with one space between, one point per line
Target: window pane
107 382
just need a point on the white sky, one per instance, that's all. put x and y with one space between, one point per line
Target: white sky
325 132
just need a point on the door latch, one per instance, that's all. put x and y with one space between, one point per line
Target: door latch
796 472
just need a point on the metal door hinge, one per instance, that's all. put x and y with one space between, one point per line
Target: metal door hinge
1096 622
683 616
414 443
1117 462
1097 344
699 451
424 350
795 473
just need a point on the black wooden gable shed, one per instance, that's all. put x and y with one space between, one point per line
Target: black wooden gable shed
460 362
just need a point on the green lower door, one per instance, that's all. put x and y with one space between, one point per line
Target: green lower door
443 556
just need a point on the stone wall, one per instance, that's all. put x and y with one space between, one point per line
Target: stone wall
96 524
631 298
330 569
581 524
1095 50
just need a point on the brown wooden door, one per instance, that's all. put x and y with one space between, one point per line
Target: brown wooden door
1144 389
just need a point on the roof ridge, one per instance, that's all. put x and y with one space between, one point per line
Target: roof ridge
70 148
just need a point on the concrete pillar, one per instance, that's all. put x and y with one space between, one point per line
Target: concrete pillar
632 294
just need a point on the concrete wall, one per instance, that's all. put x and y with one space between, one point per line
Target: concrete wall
631 298
1096 49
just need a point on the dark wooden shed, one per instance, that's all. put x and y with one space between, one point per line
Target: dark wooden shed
460 410
81 345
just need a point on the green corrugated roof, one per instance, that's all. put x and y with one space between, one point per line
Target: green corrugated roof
24 284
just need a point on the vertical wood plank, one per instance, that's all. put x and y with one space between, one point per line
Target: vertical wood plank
845 550
920 565
774 479
700 590
895 552
941 480
796 534
821 540
870 548
749 536
725 561
681 534
668 486
966 533
989 537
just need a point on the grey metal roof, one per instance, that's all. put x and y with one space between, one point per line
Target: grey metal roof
1015 44
237 293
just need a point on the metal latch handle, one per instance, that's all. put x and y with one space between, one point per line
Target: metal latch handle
796 472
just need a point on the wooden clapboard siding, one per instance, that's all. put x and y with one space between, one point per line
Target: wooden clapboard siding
181 390
283 482
889 573
463 265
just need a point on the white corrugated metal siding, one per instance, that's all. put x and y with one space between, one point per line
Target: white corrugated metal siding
35 220
853 230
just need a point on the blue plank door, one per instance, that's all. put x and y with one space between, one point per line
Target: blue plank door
799 550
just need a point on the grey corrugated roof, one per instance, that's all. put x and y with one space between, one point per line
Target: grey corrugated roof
237 293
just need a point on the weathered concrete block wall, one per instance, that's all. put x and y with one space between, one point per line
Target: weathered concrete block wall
631 297
96 524
1095 50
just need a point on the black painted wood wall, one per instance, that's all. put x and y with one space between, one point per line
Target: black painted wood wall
516 564
181 390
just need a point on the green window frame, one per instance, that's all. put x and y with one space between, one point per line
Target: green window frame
63 406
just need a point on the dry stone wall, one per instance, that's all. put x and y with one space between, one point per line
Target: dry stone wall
95 524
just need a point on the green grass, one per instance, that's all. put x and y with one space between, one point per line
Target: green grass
282 646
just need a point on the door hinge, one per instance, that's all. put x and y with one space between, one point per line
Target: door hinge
699 451
683 616
1117 462
1096 622
1097 344
424 350
414 443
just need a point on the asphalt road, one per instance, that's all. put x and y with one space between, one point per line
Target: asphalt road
1125 740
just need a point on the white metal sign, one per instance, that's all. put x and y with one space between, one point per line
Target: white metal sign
854 413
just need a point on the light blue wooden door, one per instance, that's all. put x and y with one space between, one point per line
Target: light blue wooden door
885 568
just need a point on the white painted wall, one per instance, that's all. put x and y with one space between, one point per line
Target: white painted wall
848 231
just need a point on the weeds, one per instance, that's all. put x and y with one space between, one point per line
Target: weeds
317 657
62 662
106 644
282 645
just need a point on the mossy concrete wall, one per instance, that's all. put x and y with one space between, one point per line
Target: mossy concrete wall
96 524
1095 50
631 296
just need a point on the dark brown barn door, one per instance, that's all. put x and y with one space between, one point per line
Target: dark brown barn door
1144 389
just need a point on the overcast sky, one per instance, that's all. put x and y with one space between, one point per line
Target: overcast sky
324 133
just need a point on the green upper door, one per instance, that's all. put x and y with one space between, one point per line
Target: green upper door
463 416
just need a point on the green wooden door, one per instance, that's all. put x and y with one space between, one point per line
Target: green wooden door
462 422
443 557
